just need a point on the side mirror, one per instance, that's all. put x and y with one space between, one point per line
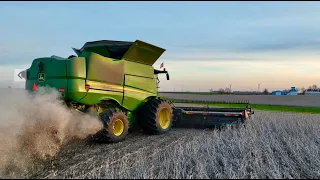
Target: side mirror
168 76
23 75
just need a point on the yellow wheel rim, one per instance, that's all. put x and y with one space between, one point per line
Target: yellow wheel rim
164 118
118 127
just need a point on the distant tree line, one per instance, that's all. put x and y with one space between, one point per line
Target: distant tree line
228 91
310 88
301 90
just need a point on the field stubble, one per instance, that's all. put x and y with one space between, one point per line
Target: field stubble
272 145
301 100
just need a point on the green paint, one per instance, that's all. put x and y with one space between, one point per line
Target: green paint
122 73
132 118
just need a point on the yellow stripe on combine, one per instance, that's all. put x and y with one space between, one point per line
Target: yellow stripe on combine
100 85
105 86
136 90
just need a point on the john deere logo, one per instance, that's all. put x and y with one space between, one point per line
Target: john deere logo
41 77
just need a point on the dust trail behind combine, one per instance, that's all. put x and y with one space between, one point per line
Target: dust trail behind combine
33 127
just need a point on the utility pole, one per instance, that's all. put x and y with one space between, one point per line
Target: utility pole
259 87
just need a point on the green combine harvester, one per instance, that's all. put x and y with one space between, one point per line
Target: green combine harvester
115 80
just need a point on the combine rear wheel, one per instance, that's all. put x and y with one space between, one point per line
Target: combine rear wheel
155 116
116 125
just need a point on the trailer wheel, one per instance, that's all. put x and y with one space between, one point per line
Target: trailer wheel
155 116
116 125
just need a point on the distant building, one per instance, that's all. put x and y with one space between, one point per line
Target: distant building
277 93
312 92
292 91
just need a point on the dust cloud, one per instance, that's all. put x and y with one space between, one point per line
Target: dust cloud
33 128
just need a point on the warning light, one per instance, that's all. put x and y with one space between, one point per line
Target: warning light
87 86
34 87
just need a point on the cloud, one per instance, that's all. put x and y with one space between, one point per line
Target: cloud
280 46
258 45
207 43
285 55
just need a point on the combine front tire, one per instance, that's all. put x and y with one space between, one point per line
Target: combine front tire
156 116
115 123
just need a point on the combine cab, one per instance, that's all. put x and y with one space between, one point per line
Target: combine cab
115 81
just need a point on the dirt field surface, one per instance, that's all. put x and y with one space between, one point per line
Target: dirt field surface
301 100
272 145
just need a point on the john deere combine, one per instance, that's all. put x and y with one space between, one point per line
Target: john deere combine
116 81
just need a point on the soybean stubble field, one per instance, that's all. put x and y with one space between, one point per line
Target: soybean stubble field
271 145
301 100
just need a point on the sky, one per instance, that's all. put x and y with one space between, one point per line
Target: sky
208 44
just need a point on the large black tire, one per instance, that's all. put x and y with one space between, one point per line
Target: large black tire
155 116
116 125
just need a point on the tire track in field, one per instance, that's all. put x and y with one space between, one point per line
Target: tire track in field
87 155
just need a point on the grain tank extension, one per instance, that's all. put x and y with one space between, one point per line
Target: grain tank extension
116 81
